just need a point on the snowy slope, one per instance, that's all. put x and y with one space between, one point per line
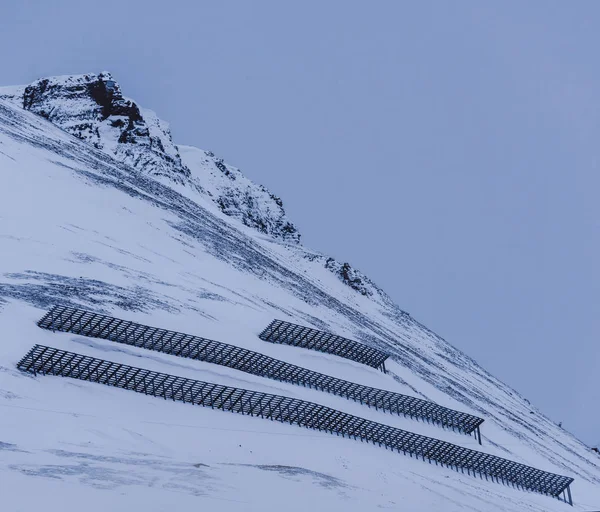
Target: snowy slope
80 226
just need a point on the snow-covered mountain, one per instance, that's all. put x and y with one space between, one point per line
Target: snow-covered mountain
114 217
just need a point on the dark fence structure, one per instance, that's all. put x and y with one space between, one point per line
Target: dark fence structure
287 333
86 323
47 360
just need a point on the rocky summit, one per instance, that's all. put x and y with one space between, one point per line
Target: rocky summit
92 108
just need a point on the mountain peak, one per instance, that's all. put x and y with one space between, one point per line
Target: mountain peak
92 108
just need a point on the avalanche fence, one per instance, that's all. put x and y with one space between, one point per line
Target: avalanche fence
52 361
287 333
87 323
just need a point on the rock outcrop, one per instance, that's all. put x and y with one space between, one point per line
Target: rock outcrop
92 108
237 196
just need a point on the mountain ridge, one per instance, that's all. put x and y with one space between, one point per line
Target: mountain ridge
92 108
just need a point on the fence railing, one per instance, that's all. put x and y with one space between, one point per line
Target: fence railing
87 323
279 331
48 360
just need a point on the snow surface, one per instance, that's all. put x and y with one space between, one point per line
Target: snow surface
78 226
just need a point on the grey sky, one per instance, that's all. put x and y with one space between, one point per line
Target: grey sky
448 149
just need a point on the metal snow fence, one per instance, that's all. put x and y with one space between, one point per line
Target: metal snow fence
86 323
48 360
279 331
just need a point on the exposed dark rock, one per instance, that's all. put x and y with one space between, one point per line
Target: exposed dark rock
92 108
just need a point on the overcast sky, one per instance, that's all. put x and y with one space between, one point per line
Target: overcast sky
450 150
